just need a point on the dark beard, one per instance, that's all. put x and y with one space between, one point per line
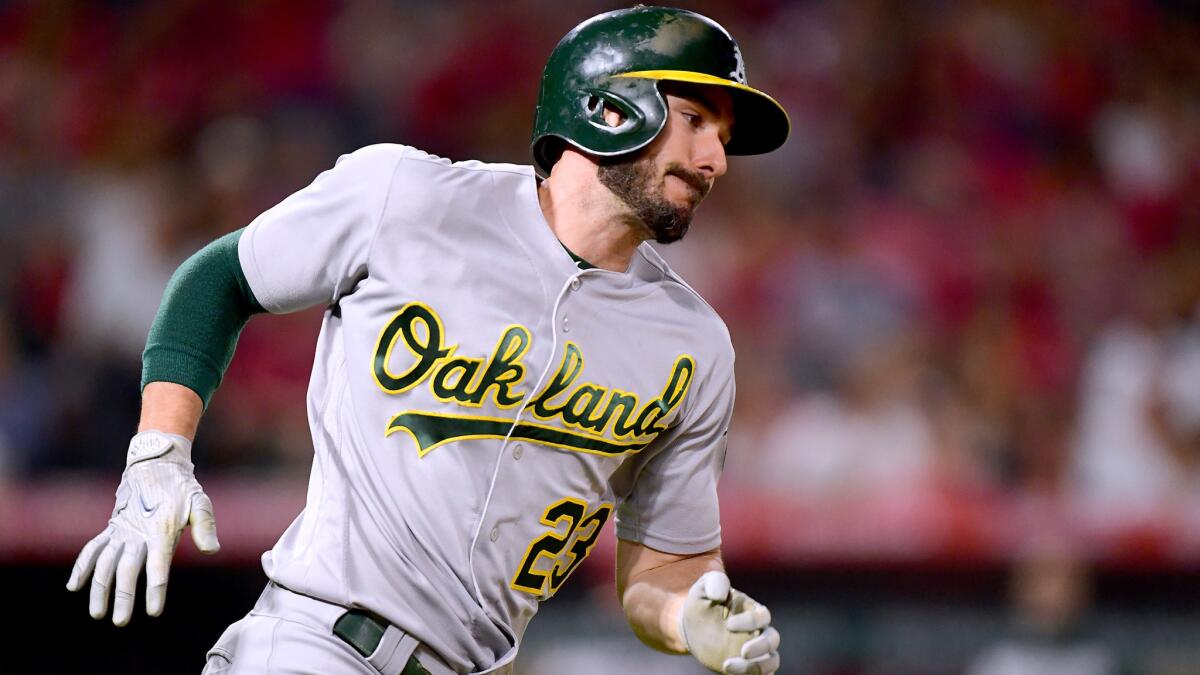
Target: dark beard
631 179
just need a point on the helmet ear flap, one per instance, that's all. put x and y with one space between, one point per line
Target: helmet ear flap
596 102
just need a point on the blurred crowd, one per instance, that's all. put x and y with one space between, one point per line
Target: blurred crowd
974 268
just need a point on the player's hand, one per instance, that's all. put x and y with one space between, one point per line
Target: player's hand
726 630
158 495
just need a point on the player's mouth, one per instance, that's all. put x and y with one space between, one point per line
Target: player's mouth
693 179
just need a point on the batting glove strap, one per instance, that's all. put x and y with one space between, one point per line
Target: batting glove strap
726 630
154 444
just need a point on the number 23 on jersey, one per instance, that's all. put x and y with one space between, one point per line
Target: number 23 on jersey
583 525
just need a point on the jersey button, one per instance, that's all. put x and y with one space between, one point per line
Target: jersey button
566 324
495 534
575 284
518 450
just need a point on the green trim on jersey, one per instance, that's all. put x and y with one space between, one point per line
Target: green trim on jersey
431 430
204 308
583 264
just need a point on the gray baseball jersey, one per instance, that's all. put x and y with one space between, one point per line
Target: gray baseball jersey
479 404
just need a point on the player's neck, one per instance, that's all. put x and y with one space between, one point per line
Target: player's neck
588 219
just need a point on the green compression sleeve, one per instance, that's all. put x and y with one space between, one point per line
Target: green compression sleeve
204 308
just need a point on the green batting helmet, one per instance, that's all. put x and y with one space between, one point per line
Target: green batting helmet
618 58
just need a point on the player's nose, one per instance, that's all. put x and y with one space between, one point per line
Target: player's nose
710 157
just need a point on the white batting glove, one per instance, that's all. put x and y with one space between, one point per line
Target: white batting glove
726 630
157 496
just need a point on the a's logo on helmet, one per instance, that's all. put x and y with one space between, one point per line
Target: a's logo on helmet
739 71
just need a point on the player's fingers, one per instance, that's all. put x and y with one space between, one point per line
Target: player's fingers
769 664
102 579
86 561
158 567
763 665
754 617
204 524
714 586
128 569
761 645
737 666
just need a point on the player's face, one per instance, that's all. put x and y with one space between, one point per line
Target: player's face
665 183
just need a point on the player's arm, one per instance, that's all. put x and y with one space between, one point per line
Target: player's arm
683 604
171 408
310 249
191 343
670 577
652 586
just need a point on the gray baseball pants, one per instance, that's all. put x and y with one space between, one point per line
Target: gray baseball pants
288 634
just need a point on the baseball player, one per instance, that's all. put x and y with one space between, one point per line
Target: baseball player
504 365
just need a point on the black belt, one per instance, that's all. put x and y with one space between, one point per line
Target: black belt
363 631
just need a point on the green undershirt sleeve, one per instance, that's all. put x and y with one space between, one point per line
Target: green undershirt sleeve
204 308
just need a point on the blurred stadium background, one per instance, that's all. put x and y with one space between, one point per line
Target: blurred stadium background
965 299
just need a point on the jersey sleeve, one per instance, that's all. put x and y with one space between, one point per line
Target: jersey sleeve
313 247
669 503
